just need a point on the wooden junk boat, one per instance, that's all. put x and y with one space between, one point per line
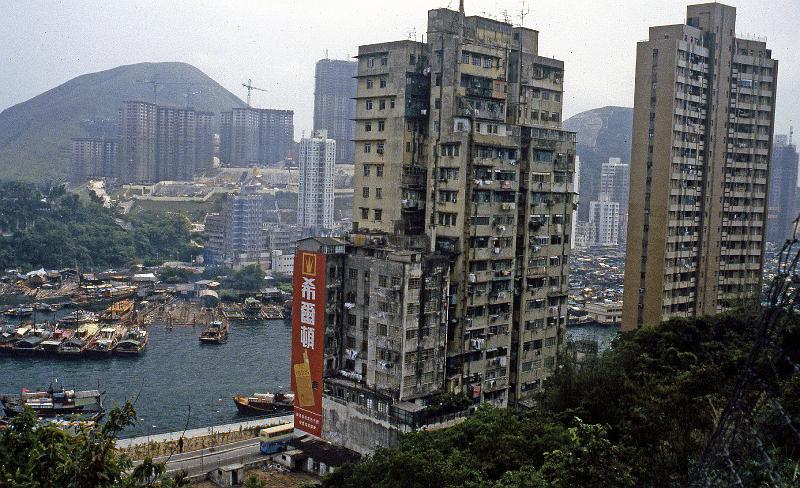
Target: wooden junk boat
215 333
264 403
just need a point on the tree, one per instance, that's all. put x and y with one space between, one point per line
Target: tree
35 455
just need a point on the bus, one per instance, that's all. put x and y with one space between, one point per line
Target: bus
274 439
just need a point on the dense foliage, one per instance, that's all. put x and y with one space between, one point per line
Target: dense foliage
54 231
39 456
646 408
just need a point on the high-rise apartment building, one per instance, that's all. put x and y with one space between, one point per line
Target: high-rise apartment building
469 124
604 218
92 158
607 214
204 141
154 143
702 130
334 104
782 190
315 192
176 143
614 182
255 136
137 149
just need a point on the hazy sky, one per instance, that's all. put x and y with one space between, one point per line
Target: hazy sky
277 42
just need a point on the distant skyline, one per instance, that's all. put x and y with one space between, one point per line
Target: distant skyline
46 43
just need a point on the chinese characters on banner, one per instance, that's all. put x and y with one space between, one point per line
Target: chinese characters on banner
308 333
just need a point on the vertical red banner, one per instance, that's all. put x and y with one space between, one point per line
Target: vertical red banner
308 340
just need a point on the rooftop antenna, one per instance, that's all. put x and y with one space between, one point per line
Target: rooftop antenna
326 54
791 134
412 34
506 17
524 10
461 7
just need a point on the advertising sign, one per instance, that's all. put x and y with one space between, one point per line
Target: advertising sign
308 335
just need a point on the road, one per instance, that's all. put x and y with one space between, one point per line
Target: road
202 461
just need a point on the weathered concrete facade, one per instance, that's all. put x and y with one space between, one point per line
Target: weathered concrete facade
702 129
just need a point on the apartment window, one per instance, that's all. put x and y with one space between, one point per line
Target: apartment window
378 195
450 149
557 97
391 103
383 330
368 103
367 126
437 103
412 59
382 105
487 62
447 218
545 95
382 82
448 196
384 60
380 144
370 83
408 146
370 62
448 173
378 214
367 147
364 215
464 58
365 192
438 79
379 170
366 170
381 125
476 60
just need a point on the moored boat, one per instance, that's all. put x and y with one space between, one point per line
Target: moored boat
117 311
32 338
19 312
53 343
215 333
78 317
133 343
79 340
105 341
59 403
264 403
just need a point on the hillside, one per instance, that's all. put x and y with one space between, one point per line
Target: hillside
602 133
35 134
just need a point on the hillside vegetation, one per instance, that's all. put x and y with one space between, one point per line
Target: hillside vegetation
35 134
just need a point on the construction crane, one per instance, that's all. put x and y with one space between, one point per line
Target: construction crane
250 88
190 86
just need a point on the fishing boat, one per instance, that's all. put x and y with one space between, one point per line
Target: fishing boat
79 340
264 403
78 317
215 333
105 341
53 343
44 307
253 309
133 343
54 403
32 338
117 311
8 338
19 312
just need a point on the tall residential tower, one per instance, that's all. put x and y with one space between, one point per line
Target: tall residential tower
315 192
455 276
704 107
334 104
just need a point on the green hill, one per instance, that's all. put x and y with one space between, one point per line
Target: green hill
35 134
602 133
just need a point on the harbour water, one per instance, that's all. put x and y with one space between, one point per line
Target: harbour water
177 382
